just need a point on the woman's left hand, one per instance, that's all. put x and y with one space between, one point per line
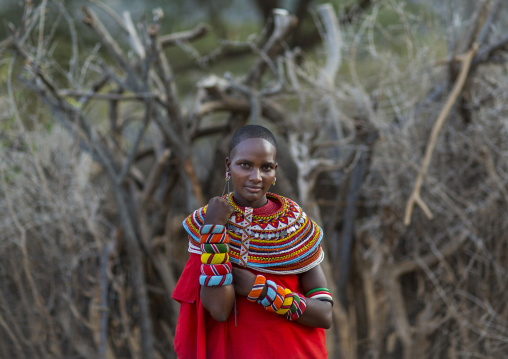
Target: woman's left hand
243 281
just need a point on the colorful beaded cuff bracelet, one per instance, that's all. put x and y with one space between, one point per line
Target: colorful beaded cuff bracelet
215 280
216 269
213 234
212 229
297 308
218 258
323 294
214 238
277 301
214 248
270 294
257 288
288 301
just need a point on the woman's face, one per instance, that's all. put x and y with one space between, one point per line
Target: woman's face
252 167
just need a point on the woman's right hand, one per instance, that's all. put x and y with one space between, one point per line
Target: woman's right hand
218 211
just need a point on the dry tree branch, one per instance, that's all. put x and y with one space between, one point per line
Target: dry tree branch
250 93
487 24
486 52
165 74
92 20
402 325
107 96
154 176
280 80
103 304
135 42
40 38
139 136
268 109
36 297
480 26
132 345
178 37
430 259
415 195
283 24
28 312
333 40
111 13
7 329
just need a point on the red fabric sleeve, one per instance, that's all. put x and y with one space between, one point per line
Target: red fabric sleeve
187 288
189 339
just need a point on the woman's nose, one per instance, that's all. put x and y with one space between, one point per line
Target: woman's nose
255 175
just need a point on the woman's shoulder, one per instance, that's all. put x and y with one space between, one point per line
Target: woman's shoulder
287 205
194 221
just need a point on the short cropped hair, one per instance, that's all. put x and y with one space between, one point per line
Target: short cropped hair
251 131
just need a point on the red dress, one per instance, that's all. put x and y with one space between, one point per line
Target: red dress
253 334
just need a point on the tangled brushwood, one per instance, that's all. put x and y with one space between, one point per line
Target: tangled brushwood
392 137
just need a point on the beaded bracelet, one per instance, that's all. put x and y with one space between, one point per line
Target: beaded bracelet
212 228
323 294
297 308
257 288
215 280
213 234
214 248
270 294
294 306
214 238
217 258
216 269
288 301
277 301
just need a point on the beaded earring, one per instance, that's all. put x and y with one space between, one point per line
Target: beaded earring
274 180
228 177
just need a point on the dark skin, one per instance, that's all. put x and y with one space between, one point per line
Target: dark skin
252 167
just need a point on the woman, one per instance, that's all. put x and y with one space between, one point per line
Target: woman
253 286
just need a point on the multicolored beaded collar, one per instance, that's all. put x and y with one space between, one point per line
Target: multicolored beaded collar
283 242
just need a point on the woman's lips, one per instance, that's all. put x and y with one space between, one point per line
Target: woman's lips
253 189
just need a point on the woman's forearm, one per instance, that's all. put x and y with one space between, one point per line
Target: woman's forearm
317 314
218 301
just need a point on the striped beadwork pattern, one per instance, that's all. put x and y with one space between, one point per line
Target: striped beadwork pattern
271 293
288 301
246 234
215 280
216 269
297 308
257 288
323 294
214 248
277 301
285 242
218 258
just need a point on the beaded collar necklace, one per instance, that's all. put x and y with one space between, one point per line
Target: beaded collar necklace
283 242
269 196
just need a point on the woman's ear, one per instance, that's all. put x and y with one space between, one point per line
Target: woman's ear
228 164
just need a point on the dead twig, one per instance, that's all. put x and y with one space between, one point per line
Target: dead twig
415 195
178 37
